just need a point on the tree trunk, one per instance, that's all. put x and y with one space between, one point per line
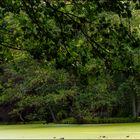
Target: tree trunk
129 25
134 111
52 114
20 116
138 108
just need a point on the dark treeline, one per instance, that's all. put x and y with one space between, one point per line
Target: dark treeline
69 61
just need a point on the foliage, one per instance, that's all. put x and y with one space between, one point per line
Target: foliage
69 61
69 121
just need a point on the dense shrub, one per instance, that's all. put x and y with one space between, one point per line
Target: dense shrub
70 120
98 120
112 120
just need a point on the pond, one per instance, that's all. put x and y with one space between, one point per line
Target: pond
57 131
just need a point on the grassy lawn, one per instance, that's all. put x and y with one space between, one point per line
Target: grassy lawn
51 131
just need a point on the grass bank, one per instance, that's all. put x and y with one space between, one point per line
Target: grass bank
85 131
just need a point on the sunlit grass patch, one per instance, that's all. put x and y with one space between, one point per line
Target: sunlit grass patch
56 131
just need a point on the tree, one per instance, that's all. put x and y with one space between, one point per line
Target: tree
91 41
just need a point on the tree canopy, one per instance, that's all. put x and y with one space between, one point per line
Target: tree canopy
69 58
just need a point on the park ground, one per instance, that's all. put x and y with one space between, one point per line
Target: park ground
59 131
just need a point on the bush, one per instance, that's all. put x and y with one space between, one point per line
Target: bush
113 120
98 120
69 120
87 119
